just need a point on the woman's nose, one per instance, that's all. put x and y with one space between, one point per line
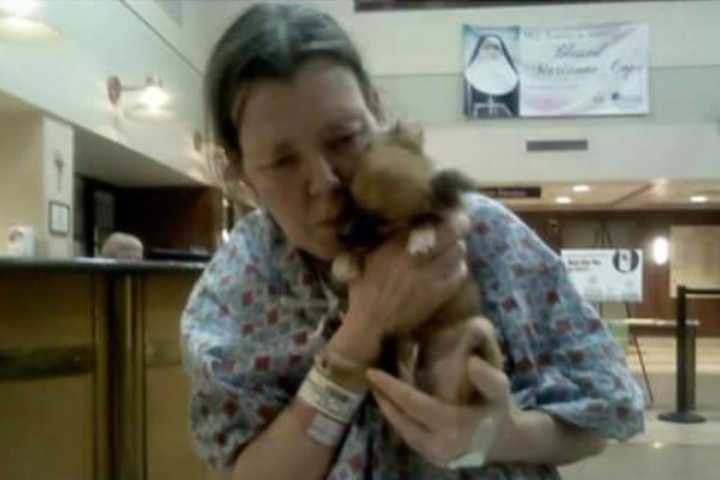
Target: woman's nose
323 176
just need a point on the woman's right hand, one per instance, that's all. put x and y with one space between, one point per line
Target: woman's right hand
398 291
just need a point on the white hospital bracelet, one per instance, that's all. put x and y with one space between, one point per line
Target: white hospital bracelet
328 397
325 431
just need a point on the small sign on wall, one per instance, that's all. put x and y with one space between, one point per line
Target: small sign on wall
59 219
606 275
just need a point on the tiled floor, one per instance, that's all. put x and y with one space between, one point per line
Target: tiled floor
666 451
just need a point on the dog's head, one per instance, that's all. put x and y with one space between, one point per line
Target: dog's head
395 186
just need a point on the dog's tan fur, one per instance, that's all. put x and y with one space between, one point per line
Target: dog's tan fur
394 180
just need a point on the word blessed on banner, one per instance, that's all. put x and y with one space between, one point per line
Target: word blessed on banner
544 72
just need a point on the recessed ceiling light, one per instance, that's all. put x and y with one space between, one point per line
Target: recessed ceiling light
581 188
698 199
563 199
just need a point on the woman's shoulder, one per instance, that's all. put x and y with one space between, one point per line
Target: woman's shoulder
499 237
488 216
244 257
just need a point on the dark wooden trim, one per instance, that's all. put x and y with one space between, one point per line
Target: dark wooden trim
33 364
395 5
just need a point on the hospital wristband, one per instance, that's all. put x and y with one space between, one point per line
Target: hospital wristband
334 401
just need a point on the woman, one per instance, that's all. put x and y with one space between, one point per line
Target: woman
491 80
289 97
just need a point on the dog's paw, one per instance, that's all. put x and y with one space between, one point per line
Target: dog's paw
422 241
345 268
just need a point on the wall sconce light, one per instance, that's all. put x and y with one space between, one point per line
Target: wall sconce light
19 23
151 101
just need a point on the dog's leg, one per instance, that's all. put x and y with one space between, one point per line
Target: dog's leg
422 240
407 359
445 354
483 342
346 268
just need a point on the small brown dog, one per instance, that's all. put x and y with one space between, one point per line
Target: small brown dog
396 189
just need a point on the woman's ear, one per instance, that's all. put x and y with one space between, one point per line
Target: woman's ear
447 185
235 181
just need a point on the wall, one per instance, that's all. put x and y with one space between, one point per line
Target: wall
416 59
21 195
29 144
58 183
68 79
633 230
188 36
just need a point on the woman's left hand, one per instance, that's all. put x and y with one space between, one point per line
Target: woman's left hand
439 431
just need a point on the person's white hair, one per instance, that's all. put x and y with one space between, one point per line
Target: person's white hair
122 246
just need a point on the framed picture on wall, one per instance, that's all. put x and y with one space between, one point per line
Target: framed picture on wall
59 218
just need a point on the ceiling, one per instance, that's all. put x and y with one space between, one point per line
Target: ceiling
102 159
651 195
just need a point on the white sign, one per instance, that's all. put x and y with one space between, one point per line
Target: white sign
602 275
549 72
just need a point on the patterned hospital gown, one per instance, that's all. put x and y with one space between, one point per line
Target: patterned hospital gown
259 313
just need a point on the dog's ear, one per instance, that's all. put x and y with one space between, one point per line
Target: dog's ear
447 185
409 135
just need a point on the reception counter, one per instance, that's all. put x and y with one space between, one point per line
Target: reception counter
91 382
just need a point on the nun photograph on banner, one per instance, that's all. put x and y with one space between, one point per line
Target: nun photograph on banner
491 79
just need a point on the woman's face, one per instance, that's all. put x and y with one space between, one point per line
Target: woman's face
490 48
300 139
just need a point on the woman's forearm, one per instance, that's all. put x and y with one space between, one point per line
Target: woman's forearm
536 437
281 451
285 438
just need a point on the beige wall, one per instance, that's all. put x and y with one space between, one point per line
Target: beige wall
416 58
58 182
21 193
29 144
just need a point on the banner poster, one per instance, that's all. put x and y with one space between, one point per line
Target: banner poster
556 72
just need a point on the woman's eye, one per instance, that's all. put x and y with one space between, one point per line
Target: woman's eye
348 142
284 161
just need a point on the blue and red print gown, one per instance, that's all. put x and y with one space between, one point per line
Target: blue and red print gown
259 313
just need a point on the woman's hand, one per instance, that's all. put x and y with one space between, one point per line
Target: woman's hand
399 291
442 432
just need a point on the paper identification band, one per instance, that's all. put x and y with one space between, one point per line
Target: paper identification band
321 429
325 431
326 396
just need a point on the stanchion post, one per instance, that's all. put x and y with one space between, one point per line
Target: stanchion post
682 413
